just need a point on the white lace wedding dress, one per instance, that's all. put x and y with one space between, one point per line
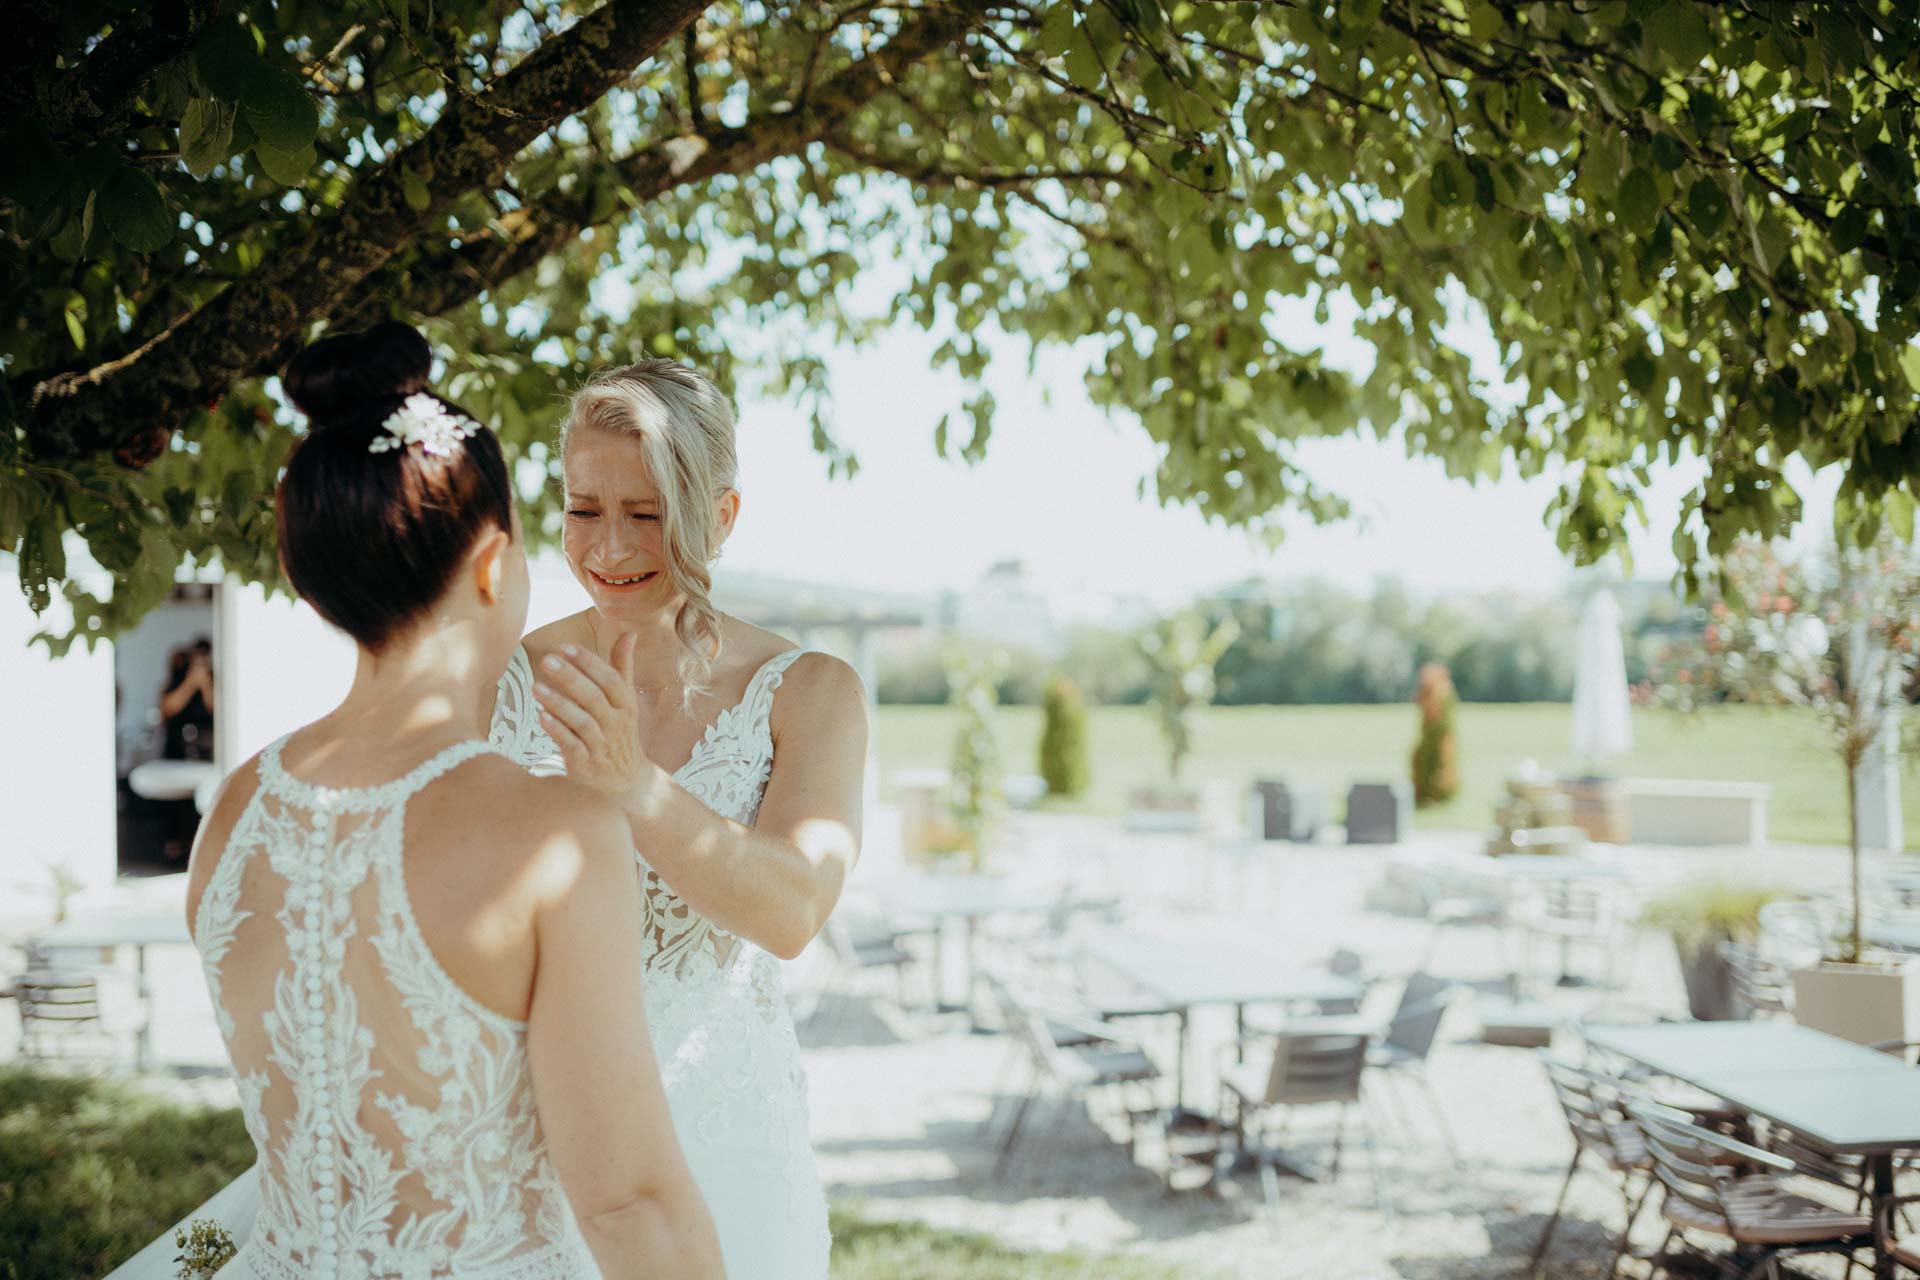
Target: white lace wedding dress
719 1020
719 1017
393 1114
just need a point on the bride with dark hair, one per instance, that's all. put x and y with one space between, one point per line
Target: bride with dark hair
423 958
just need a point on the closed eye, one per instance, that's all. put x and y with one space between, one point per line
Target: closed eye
581 514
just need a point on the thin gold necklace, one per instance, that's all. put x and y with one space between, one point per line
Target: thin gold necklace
605 649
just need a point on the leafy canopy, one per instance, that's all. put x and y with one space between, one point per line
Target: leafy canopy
1690 225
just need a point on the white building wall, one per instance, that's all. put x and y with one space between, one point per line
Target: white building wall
56 758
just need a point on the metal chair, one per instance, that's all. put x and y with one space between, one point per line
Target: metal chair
1902 1248
1468 912
1764 1215
1603 1136
872 948
1070 1054
59 1012
1796 931
1403 1048
1759 984
1307 1069
1574 911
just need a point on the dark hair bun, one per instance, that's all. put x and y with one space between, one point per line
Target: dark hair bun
346 373
372 540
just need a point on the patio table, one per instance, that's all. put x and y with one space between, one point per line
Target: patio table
941 896
1211 966
1846 1098
1902 935
111 930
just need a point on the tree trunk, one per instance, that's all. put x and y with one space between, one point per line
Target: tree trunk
1853 849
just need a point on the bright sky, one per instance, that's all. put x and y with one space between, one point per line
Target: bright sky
1059 490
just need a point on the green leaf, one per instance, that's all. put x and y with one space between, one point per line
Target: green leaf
1679 29
414 187
1445 182
1640 370
239 496
280 109
1899 511
1707 205
1769 240
1910 364
288 168
1850 229
1638 199
136 212
206 135
31 167
227 59
1083 62
1056 31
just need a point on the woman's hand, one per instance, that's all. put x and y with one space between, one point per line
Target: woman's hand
588 708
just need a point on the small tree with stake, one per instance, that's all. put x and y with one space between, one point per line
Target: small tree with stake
1183 650
1845 644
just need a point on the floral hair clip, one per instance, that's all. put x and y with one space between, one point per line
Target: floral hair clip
424 421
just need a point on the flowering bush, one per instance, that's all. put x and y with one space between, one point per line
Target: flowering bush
1841 638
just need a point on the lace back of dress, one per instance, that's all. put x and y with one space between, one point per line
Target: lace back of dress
392 1113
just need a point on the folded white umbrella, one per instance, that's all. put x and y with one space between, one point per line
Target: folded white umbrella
1602 723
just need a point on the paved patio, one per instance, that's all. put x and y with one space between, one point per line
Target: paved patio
899 1099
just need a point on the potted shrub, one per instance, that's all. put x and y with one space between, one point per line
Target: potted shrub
977 799
1435 764
1063 740
1846 645
1181 651
1700 916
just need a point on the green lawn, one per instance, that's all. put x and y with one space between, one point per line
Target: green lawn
92 1170
1334 746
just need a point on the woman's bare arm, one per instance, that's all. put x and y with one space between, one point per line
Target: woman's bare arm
774 883
596 1082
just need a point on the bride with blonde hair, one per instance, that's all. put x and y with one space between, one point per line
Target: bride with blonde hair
737 760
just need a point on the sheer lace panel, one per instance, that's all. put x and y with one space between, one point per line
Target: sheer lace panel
392 1112
727 772
719 1020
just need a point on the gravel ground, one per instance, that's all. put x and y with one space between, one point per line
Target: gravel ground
901 1099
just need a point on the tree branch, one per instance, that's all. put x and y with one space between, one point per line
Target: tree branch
133 405
448 277
93 99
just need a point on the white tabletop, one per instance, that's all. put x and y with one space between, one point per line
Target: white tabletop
1846 1097
1216 966
103 929
170 779
940 894
1904 934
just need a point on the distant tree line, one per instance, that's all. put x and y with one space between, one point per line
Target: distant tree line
1318 643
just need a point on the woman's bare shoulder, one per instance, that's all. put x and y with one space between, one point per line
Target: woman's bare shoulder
820 690
746 648
517 827
572 629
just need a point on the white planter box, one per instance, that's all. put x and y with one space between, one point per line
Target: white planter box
1697 812
1866 1004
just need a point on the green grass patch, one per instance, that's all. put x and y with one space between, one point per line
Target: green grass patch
91 1170
865 1249
1335 746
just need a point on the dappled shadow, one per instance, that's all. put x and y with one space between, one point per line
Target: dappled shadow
840 1021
